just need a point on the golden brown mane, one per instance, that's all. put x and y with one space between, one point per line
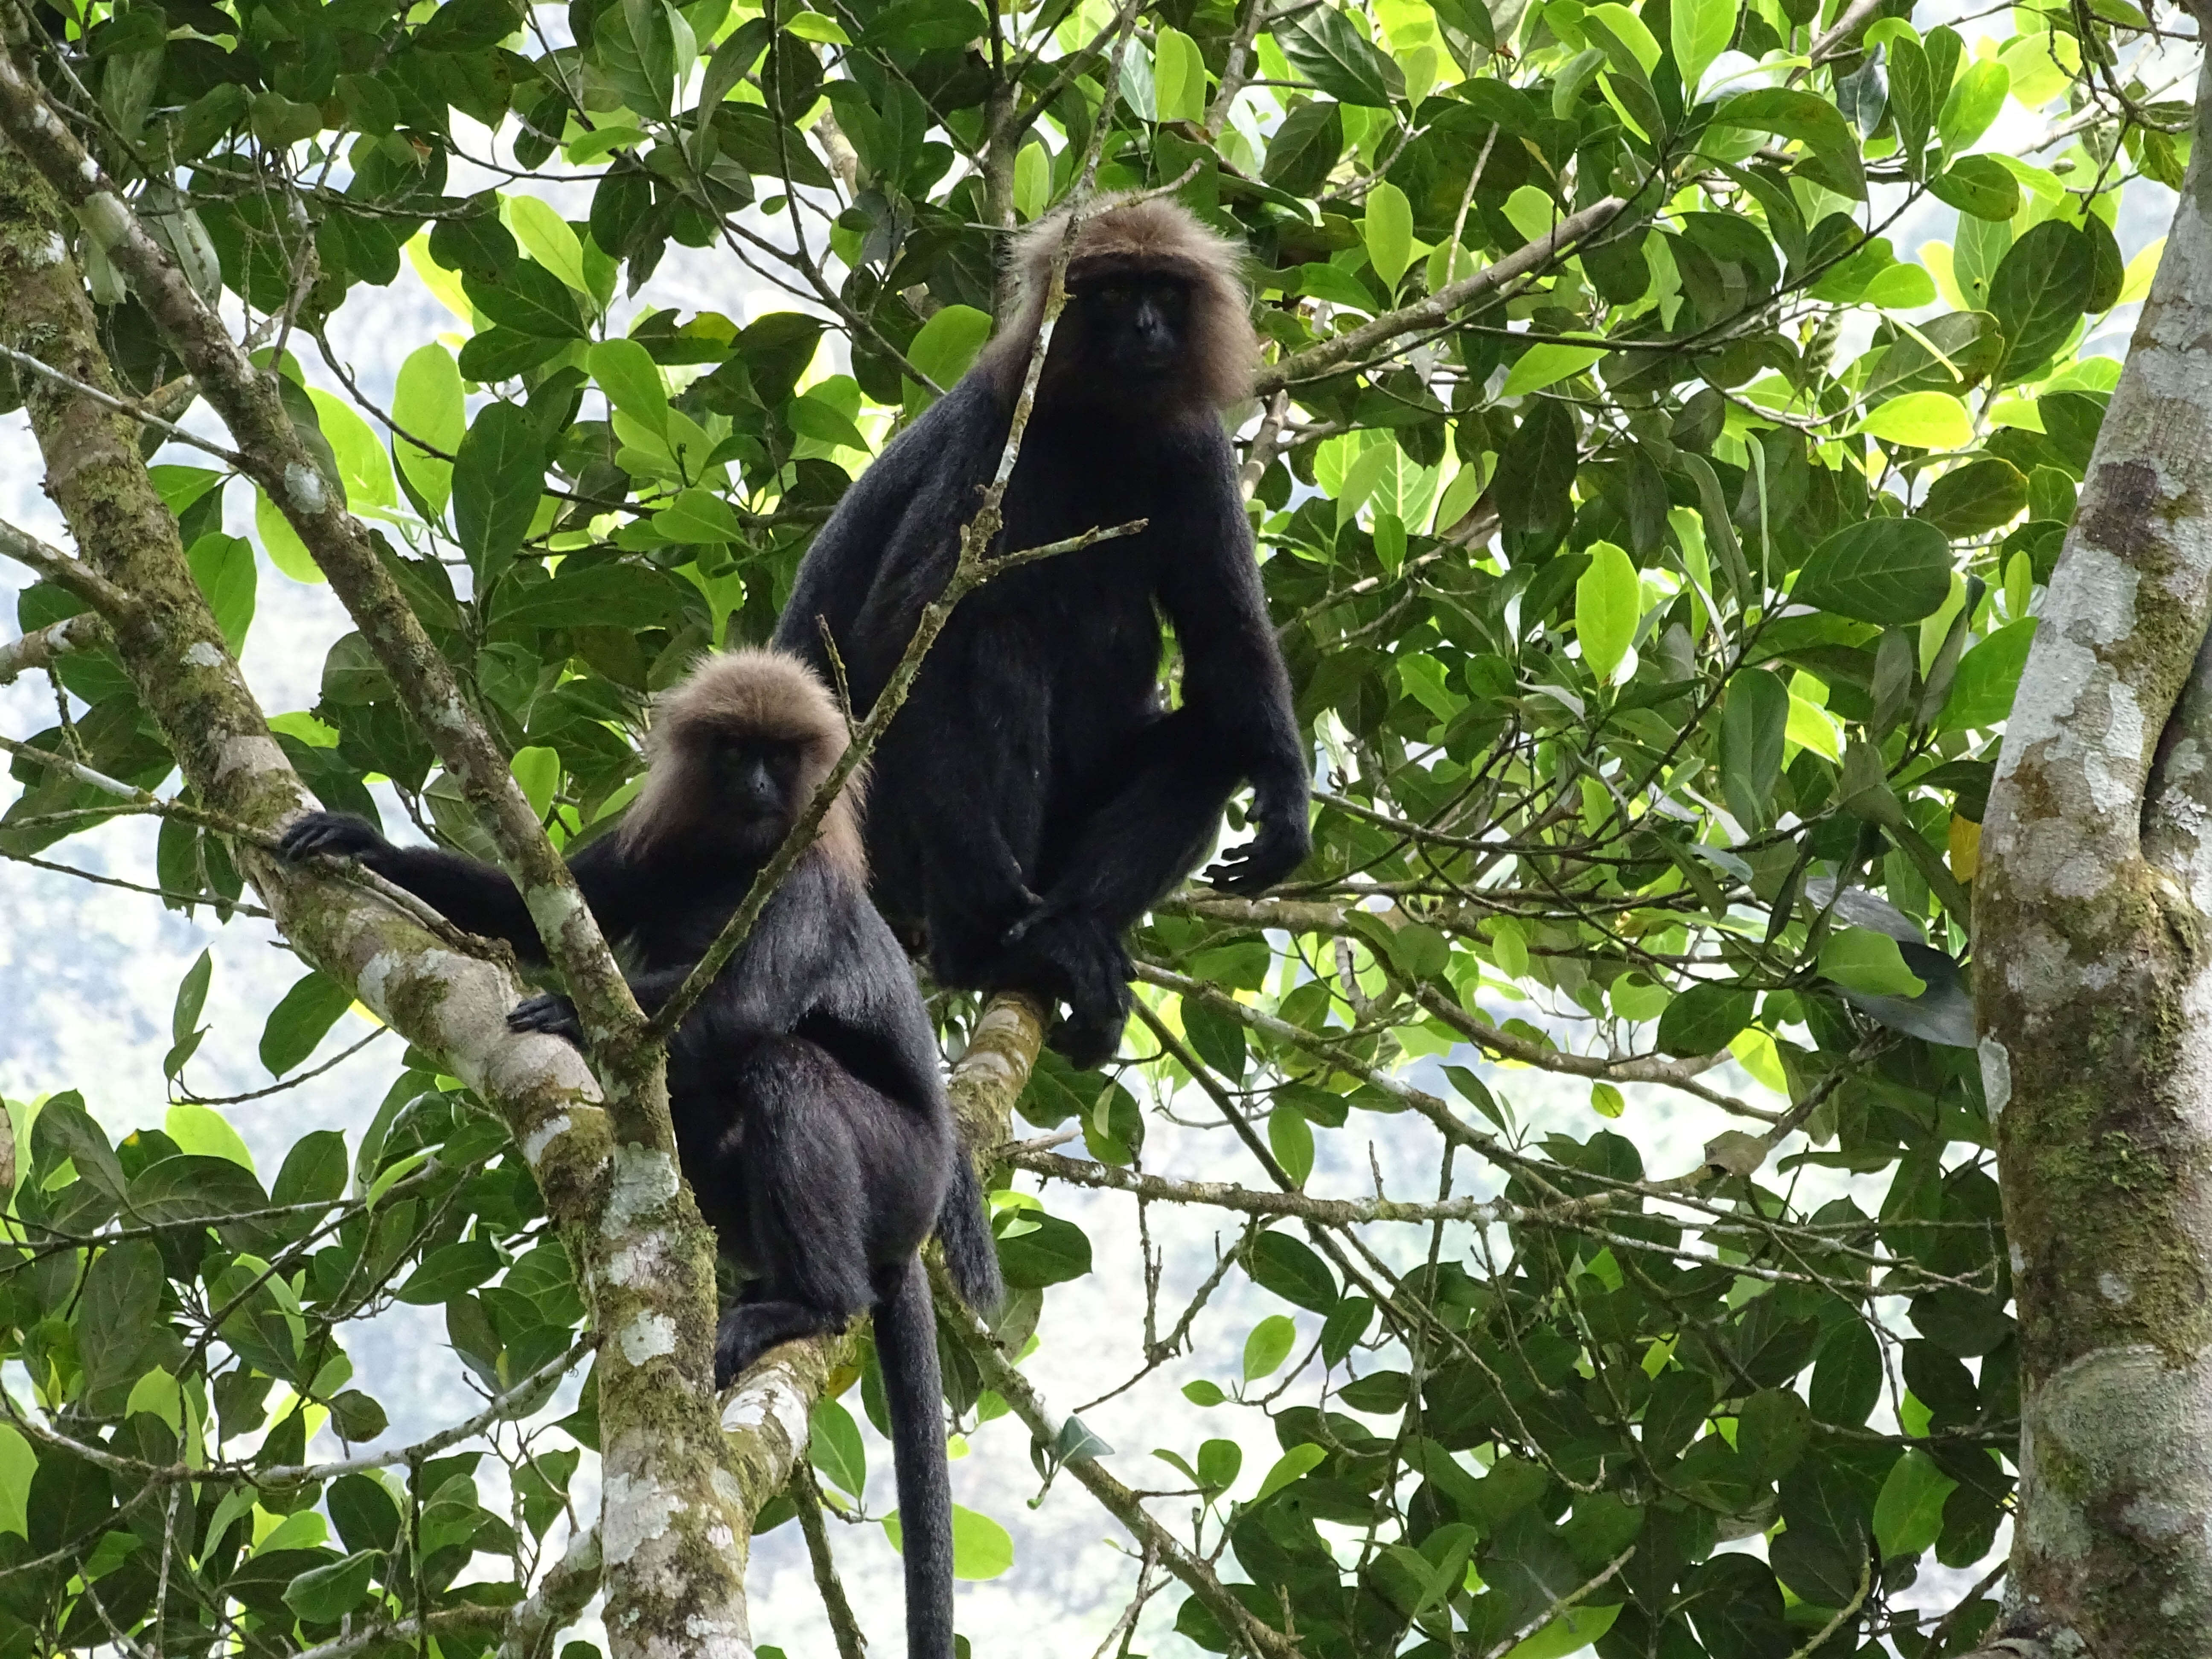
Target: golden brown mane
746 692
1159 236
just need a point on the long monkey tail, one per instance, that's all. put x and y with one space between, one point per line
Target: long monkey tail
906 1348
969 1256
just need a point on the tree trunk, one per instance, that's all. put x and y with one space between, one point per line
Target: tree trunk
2090 920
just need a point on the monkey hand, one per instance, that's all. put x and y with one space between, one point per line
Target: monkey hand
1073 957
330 834
1280 847
554 1015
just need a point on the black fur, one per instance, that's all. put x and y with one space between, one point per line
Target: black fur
810 1112
1034 796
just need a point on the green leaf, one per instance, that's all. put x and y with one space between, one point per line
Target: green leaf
193 1186
1268 1346
18 1464
607 595
1219 1462
1306 147
299 1021
1908 1516
314 1172
945 347
116 1319
1544 365
1924 420
1608 605
1754 725
426 405
1976 498
1979 185
1703 1019
1203 1394
538 771
1290 1137
1324 46
2040 291
625 371
530 299
449 1271
696 515
833 1447
1975 98
1178 76
497 480
1053 1252
191 997
322 1595
817 417
1988 679
1847 1375
1810 119
223 568
981 1548
549 239
1859 959
1292 1270
1387 231
1879 570
1293 1463
1699 30
281 542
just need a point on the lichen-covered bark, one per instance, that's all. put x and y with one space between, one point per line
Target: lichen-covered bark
2095 881
672 1564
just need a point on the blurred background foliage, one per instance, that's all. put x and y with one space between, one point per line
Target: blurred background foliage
1654 613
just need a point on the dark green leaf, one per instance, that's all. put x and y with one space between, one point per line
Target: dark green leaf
2042 287
498 476
1323 46
450 1271
1976 498
1703 1019
1979 185
1054 1251
1879 570
1292 1270
323 1595
299 1023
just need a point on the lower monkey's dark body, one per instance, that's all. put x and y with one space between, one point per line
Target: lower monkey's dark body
818 1186
810 1115
1035 795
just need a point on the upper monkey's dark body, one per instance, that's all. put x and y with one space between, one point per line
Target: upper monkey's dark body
809 1107
1035 793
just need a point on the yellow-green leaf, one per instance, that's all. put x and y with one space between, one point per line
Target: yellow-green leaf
204 1132
1268 1345
627 374
1388 230
1545 365
813 25
1924 420
1178 78
1608 603
427 405
548 239
538 770
284 548
363 467
1288 1468
1859 959
1699 30
1630 31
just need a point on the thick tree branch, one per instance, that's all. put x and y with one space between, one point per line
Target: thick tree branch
43 646
272 454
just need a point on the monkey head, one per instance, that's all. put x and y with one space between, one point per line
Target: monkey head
735 753
1157 318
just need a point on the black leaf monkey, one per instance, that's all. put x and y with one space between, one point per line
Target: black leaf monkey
1035 794
811 1116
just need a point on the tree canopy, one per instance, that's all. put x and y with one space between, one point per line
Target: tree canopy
1656 542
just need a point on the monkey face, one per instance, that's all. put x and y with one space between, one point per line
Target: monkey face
756 785
1136 326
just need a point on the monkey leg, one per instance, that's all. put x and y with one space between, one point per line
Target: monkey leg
786 1192
1129 843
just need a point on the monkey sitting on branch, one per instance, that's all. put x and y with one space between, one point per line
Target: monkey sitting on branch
810 1111
1036 793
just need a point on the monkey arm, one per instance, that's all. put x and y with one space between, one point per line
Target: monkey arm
1234 680
888 548
472 895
